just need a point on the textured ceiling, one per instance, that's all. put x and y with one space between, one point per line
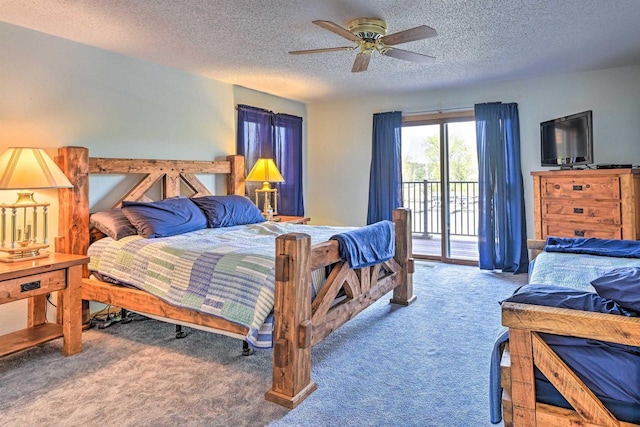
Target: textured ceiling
246 42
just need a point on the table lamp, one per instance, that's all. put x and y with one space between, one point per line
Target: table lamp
266 171
27 169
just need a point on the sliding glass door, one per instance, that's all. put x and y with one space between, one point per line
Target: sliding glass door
440 185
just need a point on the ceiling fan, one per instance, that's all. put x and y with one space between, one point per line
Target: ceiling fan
370 35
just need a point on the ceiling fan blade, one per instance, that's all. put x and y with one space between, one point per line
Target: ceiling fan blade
361 63
409 56
412 34
328 49
335 28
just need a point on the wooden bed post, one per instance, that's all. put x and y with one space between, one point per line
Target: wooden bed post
73 216
291 382
523 393
403 293
73 211
235 180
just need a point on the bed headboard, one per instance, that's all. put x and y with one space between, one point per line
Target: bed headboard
73 219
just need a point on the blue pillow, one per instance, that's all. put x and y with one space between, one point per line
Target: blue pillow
225 211
165 217
563 297
621 285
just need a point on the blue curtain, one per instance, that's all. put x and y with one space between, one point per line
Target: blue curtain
261 133
502 241
255 134
385 177
288 158
254 140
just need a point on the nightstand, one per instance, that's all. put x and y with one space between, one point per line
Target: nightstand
34 279
292 219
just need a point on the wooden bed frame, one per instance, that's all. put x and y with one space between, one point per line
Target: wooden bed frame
299 323
526 349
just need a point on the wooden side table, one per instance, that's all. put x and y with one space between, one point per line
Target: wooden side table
34 279
293 219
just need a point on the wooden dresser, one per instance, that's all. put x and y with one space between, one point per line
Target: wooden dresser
601 203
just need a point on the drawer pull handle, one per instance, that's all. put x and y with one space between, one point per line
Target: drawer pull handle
579 233
578 210
577 188
31 286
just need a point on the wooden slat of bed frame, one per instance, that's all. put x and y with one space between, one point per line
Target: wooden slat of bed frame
139 190
99 165
562 321
145 303
523 390
341 313
547 415
194 183
569 385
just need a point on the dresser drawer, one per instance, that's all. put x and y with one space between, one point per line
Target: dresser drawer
567 229
28 286
583 210
594 187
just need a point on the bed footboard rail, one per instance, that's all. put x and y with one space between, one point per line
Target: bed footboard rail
527 350
301 324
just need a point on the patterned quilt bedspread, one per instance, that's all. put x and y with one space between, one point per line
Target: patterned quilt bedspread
227 272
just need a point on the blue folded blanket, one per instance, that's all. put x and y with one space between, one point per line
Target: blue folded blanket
495 391
592 246
366 246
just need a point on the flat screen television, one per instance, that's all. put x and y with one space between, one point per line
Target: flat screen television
567 141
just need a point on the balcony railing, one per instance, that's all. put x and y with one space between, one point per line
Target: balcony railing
424 198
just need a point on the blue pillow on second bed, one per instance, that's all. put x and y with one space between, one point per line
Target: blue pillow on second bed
563 297
621 285
165 217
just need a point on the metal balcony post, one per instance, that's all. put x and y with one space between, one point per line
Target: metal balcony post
425 209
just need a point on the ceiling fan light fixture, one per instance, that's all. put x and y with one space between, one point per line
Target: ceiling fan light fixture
368 28
368 47
370 35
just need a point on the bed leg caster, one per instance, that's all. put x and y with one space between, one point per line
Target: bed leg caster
246 350
179 332
124 317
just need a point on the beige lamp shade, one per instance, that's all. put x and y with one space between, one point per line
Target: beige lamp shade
30 168
265 171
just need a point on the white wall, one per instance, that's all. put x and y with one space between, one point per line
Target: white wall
54 92
339 133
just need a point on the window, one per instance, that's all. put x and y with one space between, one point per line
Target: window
440 184
263 133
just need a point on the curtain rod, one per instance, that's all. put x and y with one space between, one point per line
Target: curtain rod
439 110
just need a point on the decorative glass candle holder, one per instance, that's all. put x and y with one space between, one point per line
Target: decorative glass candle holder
269 194
21 224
